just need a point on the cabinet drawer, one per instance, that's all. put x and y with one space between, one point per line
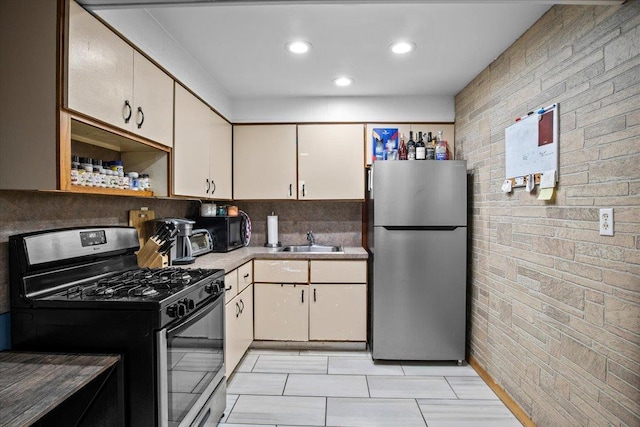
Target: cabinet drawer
325 271
231 285
245 275
281 271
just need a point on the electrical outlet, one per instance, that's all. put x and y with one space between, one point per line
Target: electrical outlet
606 222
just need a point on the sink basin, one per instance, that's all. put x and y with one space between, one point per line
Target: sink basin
313 248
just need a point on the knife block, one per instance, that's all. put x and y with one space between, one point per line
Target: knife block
148 256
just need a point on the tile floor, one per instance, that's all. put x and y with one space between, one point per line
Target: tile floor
345 388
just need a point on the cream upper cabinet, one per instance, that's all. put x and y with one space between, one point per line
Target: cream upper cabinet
100 70
191 145
152 101
330 162
264 162
110 81
220 155
202 149
281 312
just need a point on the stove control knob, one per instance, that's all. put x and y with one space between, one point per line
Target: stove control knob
213 288
177 310
189 304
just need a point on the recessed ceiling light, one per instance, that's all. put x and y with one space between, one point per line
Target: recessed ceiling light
402 47
298 46
343 81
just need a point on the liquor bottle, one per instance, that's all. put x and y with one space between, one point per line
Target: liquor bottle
411 147
421 149
431 154
402 149
441 147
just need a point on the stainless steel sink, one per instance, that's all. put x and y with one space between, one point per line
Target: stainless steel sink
313 248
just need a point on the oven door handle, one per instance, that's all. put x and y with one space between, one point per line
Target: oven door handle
193 318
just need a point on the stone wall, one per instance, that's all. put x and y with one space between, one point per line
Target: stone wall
555 307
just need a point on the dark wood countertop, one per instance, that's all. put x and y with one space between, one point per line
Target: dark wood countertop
33 384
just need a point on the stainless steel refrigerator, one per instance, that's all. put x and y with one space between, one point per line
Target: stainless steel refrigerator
417 237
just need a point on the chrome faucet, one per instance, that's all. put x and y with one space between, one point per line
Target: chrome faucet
311 238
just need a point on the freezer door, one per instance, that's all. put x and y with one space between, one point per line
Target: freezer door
413 193
419 294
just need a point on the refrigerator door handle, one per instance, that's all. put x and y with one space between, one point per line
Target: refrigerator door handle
370 179
420 228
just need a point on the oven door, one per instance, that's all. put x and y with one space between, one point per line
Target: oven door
190 365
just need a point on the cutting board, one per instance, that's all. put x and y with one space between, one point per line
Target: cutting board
137 219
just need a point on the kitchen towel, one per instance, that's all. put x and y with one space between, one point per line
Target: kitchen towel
272 230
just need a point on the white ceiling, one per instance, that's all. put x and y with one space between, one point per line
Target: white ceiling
241 46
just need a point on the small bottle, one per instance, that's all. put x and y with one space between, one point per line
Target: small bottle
421 149
411 147
144 182
431 155
441 147
134 181
88 176
402 149
74 173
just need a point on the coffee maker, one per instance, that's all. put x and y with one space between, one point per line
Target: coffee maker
180 252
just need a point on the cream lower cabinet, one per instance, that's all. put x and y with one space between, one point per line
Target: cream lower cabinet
281 312
238 315
338 312
332 308
338 303
238 328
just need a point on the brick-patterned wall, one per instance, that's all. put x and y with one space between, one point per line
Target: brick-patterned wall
555 307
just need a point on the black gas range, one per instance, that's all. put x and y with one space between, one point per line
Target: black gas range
81 290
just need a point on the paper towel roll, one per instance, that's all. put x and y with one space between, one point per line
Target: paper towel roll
272 230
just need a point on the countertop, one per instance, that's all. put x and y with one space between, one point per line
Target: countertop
33 384
234 259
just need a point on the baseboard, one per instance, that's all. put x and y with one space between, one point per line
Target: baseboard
502 395
310 345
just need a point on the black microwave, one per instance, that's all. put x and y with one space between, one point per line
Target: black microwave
227 232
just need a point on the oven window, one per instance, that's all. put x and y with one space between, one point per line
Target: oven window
194 356
235 234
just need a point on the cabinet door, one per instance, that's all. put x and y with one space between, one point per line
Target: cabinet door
330 162
238 328
100 70
264 162
281 312
338 312
152 101
191 145
245 336
220 158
